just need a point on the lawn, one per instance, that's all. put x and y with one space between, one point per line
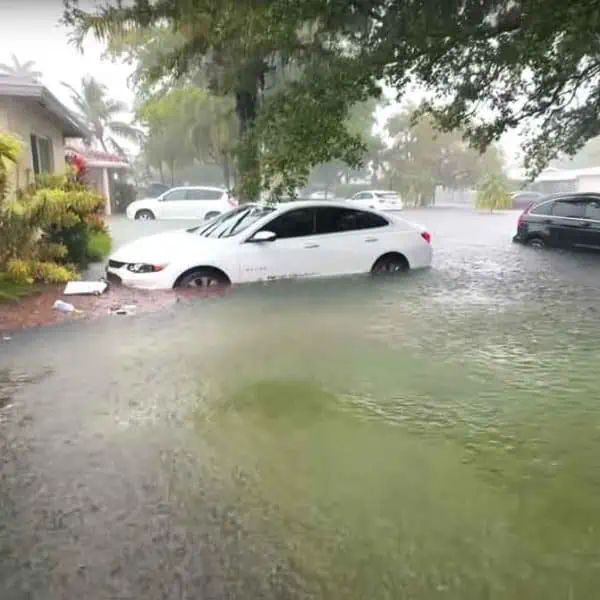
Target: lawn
12 292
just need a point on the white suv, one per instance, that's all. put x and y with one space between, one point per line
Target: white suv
183 203
378 200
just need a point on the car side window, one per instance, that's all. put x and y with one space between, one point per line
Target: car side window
200 194
573 209
175 195
292 224
361 196
592 210
542 209
331 219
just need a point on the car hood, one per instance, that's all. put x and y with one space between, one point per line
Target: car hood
164 247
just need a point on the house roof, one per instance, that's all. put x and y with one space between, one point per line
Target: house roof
26 88
98 158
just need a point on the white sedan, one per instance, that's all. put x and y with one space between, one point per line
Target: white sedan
378 200
265 242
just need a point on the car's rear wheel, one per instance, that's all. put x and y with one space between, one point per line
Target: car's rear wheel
390 264
203 279
536 242
211 215
144 215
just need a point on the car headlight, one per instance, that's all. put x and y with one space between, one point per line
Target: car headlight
144 268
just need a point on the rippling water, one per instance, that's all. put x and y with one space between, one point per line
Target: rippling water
431 436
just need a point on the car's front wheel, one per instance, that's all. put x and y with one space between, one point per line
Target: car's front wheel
203 279
144 215
390 264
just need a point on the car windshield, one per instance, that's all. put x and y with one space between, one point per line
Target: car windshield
233 222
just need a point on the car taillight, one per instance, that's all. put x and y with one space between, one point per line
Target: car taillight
524 213
231 200
426 236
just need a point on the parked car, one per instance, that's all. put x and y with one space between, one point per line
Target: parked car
322 195
378 199
256 242
562 221
523 199
183 203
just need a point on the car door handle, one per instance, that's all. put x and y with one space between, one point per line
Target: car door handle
371 239
308 246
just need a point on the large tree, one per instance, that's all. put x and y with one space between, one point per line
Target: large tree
306 51
421 158
101 113
487 66
494 65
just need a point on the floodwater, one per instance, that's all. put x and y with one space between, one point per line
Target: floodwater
432 436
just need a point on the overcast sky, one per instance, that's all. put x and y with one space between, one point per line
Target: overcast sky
30 29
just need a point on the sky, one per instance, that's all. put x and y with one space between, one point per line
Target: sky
30 29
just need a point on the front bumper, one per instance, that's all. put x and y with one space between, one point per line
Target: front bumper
143 281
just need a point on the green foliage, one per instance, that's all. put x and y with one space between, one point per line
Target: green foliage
10 150
48 227
291 68
493 194
422 157
486 66
99 246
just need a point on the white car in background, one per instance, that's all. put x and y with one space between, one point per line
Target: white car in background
378 200
258 242
189 202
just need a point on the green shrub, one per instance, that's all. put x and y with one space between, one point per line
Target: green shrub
51 228
493 194
99 246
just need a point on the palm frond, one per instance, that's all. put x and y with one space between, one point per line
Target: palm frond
126 131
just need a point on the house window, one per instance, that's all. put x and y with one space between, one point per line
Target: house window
41 150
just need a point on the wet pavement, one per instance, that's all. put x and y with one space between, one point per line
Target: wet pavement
434 436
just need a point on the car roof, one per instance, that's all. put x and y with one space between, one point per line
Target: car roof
568 196
197 187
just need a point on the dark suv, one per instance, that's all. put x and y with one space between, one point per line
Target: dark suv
562 221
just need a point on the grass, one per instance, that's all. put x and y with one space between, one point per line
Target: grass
13 292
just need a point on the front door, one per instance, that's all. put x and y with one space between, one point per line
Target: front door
294 253
173 204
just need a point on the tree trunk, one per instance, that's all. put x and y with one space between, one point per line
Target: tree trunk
172 169
161 172
226 171
246 101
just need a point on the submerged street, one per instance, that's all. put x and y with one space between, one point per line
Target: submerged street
428 436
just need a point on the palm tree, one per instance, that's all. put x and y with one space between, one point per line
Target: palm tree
99 113
25 70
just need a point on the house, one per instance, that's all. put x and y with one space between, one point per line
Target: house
41 121
552 180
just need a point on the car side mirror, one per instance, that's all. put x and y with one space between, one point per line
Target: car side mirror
263 236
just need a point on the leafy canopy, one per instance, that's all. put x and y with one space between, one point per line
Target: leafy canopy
487 66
